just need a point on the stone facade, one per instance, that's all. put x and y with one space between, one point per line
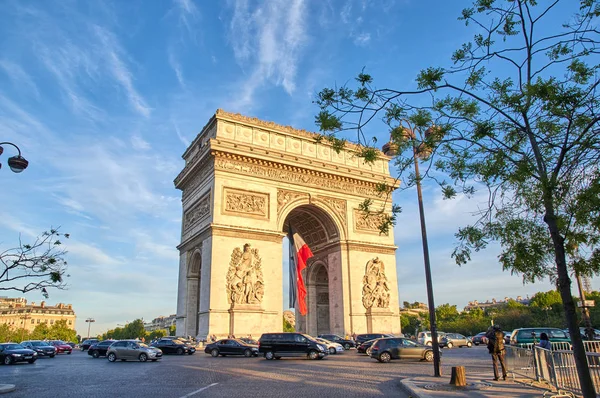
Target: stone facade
162 322
17 313
244 182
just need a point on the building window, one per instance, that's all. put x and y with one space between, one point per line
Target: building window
33 321
38 321
70 322
51 321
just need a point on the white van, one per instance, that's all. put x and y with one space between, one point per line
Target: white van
425 337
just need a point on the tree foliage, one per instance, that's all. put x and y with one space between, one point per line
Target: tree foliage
131 330
287 326
516 113
39 265
57 331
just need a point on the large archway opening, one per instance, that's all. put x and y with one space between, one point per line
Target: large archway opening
322 276
193 288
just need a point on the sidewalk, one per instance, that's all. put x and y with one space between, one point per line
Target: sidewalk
478 386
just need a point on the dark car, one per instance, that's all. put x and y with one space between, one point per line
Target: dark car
61 347
361 338
479 338
43 348
455 340
13 352
99 349
346 343
363 347
249 340
278 345
169 346
400 348
87 343
231 347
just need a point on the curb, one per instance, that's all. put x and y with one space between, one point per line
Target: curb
4 388
409 387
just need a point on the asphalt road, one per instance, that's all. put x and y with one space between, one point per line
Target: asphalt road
348 374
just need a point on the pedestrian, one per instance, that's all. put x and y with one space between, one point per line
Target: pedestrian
545 341
495 345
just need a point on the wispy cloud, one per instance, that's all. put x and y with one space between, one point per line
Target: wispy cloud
188 14
362 39
112 51
138 143
176 66
268 42
19 77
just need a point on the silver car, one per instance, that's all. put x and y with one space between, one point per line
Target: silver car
332 347
133 350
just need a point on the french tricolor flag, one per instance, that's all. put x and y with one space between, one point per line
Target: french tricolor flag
299 254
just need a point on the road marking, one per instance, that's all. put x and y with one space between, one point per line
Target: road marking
200 390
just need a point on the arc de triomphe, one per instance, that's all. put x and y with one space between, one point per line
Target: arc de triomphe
244 182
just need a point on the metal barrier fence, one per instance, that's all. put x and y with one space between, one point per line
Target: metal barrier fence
557 367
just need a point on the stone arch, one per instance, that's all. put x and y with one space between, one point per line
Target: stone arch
193 288
306 201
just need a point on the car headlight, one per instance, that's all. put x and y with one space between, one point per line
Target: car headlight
35 354
17 355
321 347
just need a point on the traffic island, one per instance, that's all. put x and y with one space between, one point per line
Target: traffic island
4 388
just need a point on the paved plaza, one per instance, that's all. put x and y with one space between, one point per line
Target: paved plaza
345 375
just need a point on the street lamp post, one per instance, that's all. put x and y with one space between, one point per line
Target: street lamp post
420 150
16 163
89 322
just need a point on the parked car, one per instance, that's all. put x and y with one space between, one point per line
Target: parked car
61 347
134 350
526 336
363 347
361 338
87 343
13 352
99 349
455 340
249 340
231 347
43 348
346 343
479 338
387 349
168 346
278 345
424 337
332 347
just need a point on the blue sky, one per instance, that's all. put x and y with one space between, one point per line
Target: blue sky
103 97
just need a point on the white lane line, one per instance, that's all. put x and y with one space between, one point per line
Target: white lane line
200 390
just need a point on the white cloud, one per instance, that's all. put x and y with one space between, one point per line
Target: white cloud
362 39
176 68
268 42
19 77
138 143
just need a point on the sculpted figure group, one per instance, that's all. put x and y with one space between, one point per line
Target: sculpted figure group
245 283
376 292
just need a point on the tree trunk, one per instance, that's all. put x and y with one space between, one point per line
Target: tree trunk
564 287
459 376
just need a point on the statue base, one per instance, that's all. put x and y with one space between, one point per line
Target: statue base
379 320
245 319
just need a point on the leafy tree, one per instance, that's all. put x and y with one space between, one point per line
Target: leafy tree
135 330
40 332
5 333
545 299
60 331
35 266
157 334
287 326
517 114
446 312
172 330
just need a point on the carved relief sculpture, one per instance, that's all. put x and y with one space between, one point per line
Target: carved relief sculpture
246 203
245 284
376 292
284 197
197 212
367 222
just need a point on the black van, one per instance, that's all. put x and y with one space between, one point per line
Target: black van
277 345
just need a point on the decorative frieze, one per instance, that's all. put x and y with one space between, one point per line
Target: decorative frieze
376 292
296 175
198 212
245 203
245 283
367 222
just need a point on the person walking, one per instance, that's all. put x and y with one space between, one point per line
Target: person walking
495 345
545 342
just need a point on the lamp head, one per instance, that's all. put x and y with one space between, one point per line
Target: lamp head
17 163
